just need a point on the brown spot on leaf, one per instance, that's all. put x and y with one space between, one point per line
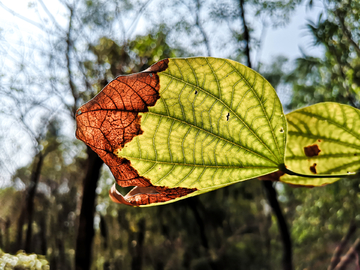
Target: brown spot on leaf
227 116
110 120
313 168
312 150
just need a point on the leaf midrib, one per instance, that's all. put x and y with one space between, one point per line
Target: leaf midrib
196 165
212 134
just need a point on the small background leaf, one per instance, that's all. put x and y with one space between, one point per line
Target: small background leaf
332 128
217 122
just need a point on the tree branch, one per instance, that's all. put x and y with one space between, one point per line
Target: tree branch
351 255
51 16
34 181
137 17
340 248
41 27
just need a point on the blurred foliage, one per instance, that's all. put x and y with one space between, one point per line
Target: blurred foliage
275 72
275 13
134 56
336 75
320 218
22 261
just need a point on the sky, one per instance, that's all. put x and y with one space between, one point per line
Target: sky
285 41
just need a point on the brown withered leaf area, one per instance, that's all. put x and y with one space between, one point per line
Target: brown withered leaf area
312 150
110 120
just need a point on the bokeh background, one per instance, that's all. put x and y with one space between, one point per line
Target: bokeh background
56 55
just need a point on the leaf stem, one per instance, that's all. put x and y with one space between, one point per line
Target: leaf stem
290 172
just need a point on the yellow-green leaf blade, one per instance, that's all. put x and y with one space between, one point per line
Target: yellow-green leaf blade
217 122
333 128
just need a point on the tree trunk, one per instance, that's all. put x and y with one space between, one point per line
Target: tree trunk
283 228
43 238
136 263
35 176
7 234
19 231
192 204
2 232
245 33
86 220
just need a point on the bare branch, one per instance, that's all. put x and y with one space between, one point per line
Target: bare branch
340 248
122 26
138 15
350 256
68 63
41 27
51 16
198 24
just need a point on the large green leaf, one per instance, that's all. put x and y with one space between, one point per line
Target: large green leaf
331 128
216 123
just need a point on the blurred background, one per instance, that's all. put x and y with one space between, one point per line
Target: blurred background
56 55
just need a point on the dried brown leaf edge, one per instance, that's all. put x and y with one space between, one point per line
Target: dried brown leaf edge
111 119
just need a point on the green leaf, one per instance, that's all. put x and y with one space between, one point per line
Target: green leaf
216 123
333 129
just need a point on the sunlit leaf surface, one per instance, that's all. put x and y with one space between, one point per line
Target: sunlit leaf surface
322 139
216 122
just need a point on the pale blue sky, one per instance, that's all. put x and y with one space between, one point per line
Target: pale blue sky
288 40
